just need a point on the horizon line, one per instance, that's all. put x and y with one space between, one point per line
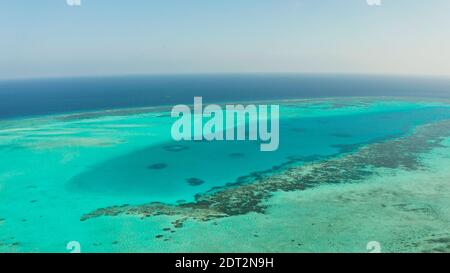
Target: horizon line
342 74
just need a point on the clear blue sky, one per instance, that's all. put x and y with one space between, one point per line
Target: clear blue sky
46 38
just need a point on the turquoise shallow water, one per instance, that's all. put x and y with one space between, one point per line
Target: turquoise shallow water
55 169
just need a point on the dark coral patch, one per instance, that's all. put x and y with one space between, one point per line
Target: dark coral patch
157 166
178 223
346 148
194 181
308 158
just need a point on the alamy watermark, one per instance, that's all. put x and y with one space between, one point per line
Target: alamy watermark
78 2
73 3
373 247
212 123
74 247
373 2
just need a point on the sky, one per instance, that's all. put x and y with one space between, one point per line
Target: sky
49 38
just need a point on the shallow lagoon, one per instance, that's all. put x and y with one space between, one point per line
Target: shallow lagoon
55 170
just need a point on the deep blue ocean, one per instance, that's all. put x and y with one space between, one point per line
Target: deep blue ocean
19 98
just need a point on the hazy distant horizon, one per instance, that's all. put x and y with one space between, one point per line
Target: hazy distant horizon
48 38
313 74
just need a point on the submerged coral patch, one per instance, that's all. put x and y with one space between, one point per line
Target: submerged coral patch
346 148
195 181
435 243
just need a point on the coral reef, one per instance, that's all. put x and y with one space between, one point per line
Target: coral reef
195 181
248 193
